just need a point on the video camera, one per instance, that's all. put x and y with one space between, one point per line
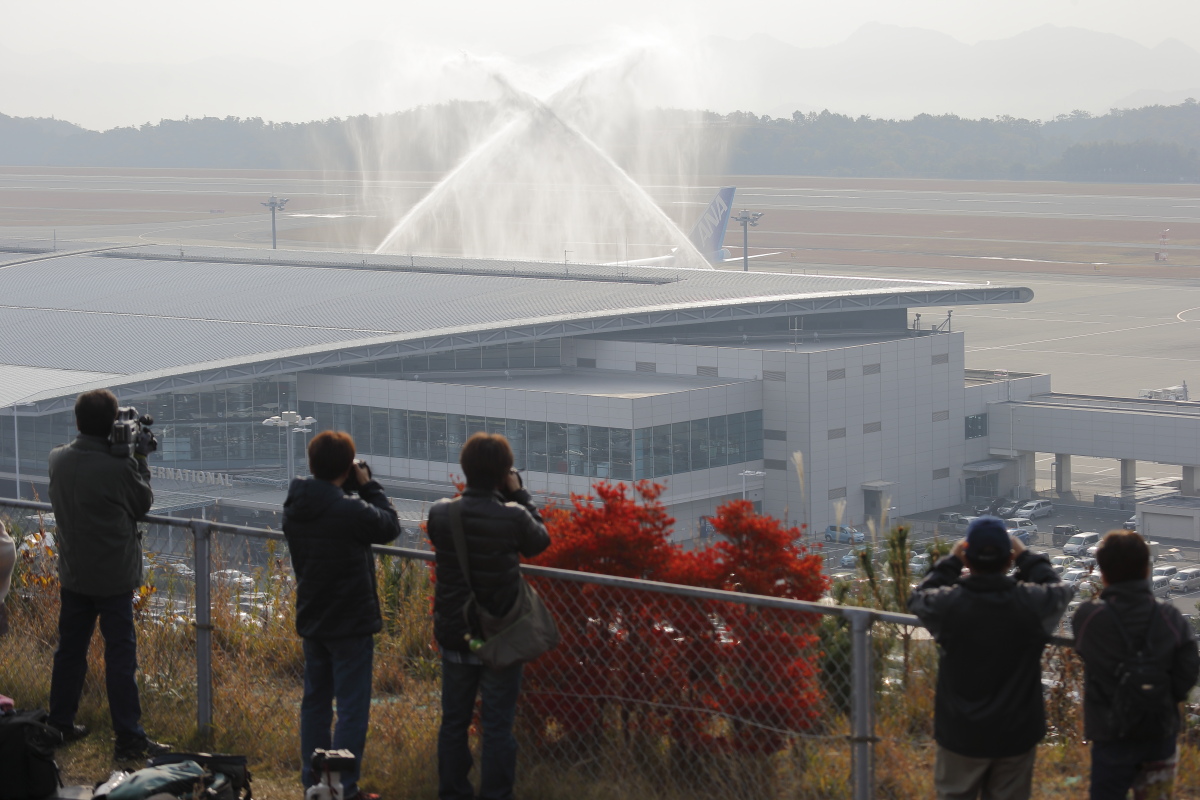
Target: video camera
131 434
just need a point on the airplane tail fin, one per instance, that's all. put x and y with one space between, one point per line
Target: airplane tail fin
709 233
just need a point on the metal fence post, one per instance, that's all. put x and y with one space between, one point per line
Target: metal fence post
862 702
202 531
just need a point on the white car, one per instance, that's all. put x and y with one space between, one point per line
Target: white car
1021 528
1074 576
1186 580
919 565
1165 571
1062 563
1160 585
1034 509
1078 544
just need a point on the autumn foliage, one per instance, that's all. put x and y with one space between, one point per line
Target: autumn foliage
707 675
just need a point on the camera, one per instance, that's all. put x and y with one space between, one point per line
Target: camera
352 484
131 434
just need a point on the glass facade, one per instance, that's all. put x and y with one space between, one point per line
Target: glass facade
976 426
515 355
216 429
555 447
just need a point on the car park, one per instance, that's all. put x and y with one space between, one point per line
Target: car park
1165 571
1078 544
1186 580
1034 509
1160 585
844 534
1172 554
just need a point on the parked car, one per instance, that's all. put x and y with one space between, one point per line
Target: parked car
953 517
1078 544
1131 523
1062 563
1160 585
1165 571
1021 529
1073 576
851 557
989 506
919 565
1171 554
1091 551
1066 531
1034 509
1006 508
1086 562
1186 580
845 534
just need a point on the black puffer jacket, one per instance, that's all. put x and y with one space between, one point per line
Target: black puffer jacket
991 630
329 534
1099 644
499 529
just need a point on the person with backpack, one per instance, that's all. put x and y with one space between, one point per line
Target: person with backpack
1140 660
990 629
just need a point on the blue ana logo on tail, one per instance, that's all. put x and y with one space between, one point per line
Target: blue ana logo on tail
709 233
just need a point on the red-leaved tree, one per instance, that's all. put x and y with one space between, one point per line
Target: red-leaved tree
710 675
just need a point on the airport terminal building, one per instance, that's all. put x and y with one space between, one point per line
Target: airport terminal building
821 397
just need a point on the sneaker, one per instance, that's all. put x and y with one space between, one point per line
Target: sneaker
71 733
138 749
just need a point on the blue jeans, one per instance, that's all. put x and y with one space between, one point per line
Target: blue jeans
1115 765
76 624
336 669
499 690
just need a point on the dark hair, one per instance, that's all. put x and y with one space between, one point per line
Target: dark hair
1123 556
95 412
486 460
330 454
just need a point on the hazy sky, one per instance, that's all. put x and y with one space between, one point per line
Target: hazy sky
297 30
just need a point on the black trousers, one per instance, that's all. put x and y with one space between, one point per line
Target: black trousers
1115 765
76 623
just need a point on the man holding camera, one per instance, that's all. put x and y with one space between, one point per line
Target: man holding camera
329 533
990 629
98 498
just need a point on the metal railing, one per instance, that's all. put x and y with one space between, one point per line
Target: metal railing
664 689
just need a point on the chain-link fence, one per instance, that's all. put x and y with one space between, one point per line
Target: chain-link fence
657 690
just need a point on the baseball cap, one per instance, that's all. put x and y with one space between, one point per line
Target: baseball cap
988 544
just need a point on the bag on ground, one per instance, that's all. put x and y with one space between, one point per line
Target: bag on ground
27 767
235 768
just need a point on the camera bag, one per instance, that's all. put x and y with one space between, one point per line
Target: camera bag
27 768
519 636
234 768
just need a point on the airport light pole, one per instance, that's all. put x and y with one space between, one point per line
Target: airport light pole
749 473
291 422
275 204
747 219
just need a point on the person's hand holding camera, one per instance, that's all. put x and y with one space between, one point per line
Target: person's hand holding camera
361 473
512 483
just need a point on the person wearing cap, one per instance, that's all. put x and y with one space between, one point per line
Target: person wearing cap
990 628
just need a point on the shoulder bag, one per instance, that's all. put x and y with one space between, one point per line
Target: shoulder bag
517 637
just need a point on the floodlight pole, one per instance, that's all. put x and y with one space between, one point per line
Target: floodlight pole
747 219
275 204
292 423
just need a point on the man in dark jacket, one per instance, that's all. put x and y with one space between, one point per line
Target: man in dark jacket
500 524
1127 605
989 713
329 534
98 498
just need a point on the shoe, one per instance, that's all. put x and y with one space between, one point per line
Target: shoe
138 749
72 733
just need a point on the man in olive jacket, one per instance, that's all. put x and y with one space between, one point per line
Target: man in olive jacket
329 534
989 713
98 498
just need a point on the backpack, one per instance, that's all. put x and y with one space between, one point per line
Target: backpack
1142 707
27 768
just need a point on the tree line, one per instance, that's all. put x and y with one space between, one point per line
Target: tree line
1150 144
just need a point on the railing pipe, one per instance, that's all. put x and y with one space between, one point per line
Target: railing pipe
862 701
202 531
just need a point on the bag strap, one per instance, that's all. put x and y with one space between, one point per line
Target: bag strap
460 542
1125 635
